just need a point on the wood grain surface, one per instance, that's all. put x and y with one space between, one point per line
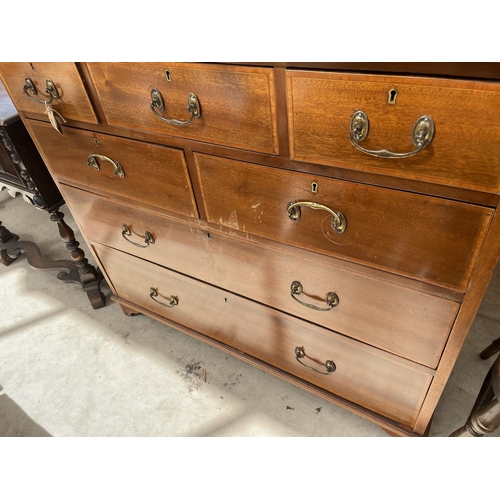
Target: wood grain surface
427 238
487 261
475 70
379 381
73 102
154 175
237 104
466 146
395 318
363 177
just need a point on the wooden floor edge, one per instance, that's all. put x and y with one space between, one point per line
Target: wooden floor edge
387 425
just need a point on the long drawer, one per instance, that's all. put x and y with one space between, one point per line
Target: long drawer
434 240
396 318
326 126
147 173
382 382
236 104
72 101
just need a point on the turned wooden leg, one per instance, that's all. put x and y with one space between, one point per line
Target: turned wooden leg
492 349
5 237
89 277
485 416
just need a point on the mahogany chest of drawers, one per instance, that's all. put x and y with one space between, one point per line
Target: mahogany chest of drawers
335 227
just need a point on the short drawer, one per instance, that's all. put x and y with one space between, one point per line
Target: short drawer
374 379
236 104
373 309
431 239
465 149
72 101
147 173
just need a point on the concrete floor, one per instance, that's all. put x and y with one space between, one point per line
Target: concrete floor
69 370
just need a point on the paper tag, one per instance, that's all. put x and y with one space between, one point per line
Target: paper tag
51 113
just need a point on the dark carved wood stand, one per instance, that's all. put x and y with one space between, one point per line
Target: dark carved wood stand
78 270
22 171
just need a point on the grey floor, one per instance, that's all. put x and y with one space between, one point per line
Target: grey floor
69 370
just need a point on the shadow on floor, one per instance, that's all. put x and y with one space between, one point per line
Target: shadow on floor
14 422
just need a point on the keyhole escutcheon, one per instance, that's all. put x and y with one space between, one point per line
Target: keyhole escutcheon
393 93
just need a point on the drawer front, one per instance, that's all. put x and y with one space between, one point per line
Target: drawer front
379 381
154 175
465 150
370 309
73 102
428 238
237 104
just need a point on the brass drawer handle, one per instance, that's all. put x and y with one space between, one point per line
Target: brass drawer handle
157 103
339 222
329 364
149 239
332 299
173 300
50 89
92 162
422 134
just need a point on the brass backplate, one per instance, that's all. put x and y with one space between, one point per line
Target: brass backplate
157 99
51 89
359 126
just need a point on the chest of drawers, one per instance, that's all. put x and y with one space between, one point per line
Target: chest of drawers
335 228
